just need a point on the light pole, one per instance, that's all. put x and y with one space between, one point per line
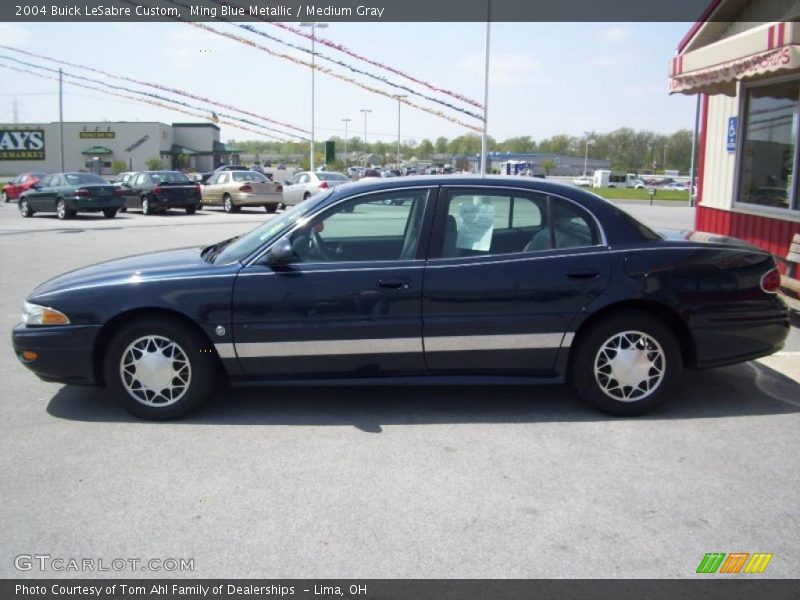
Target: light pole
399 100
366 111
346 121
586 155
313 25
486 89
665 158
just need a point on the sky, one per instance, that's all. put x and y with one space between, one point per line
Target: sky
545 78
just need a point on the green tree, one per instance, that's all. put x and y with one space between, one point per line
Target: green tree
548 166
440 145
425 149
118 166
154 164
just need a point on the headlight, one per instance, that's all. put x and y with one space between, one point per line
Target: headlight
33 314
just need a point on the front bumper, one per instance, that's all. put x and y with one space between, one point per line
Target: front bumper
64 353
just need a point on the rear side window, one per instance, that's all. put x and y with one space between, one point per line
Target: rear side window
480 224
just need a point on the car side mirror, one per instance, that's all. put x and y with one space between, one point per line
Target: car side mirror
281 253
36 186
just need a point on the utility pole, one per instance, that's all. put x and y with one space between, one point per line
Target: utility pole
61 115
399 100
486 90
366 111
346 121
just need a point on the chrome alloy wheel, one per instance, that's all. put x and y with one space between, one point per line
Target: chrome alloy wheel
629 366
155 370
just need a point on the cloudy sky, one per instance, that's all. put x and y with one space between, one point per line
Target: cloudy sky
545 78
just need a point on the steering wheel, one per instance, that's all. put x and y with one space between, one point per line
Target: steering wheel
317 246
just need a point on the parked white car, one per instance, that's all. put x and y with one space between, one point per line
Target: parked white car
583 181
305 184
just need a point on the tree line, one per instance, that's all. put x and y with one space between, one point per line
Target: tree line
625 149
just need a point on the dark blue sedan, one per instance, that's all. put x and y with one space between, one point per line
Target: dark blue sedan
414 280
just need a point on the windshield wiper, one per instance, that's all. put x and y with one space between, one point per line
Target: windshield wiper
211 252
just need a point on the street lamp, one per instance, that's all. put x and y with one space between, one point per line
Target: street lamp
313 26
346 121
586 155
399 100
366 111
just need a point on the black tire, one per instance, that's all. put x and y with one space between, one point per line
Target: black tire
123 209
5 197
24 208
109 213
271 208
146 208
63 211
190 210
192 347
306 196
593 370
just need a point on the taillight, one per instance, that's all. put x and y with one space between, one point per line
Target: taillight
323 185
82 193
119 192
771 281
199 189
158 189
279 188
247 188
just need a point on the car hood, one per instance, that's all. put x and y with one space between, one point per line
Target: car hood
130 270
704 237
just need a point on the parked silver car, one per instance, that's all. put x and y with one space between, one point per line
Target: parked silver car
305 184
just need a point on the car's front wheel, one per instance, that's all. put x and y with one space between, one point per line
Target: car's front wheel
5 197
24 208
159 369
626 364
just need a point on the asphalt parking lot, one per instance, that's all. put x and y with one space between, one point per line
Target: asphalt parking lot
496 482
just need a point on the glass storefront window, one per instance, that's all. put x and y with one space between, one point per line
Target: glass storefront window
769 148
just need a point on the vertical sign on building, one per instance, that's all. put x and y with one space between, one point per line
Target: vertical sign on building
732 124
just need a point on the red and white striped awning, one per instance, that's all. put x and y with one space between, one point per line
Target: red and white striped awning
715 68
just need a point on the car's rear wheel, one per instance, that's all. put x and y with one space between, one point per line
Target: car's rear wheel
626 364
146 208
159 369
63 211
123 209
190 210
24 208
271 208
109 213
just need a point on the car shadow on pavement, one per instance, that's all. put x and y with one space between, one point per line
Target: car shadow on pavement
742 390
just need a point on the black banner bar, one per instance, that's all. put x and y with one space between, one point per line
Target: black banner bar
705 587
370 10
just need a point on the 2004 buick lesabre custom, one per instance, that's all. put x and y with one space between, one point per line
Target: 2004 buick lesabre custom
414 280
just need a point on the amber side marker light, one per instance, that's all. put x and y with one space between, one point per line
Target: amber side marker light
29 356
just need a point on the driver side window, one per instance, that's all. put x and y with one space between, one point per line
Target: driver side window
377 227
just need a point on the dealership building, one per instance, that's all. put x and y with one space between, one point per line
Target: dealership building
743 61
96 146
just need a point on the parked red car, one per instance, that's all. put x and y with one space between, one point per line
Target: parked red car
21 183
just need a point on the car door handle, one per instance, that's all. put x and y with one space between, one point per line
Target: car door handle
583 274
395 284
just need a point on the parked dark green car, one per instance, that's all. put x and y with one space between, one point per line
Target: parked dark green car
67 194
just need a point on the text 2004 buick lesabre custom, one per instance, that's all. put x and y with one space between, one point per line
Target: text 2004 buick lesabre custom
413 280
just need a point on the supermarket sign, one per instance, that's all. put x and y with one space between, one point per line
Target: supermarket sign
22 144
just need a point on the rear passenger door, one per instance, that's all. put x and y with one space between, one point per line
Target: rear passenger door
508 271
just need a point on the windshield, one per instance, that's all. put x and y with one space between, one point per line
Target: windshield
81 178
248 176
169 177
239 248
332 177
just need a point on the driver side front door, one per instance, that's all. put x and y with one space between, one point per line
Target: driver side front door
350 304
